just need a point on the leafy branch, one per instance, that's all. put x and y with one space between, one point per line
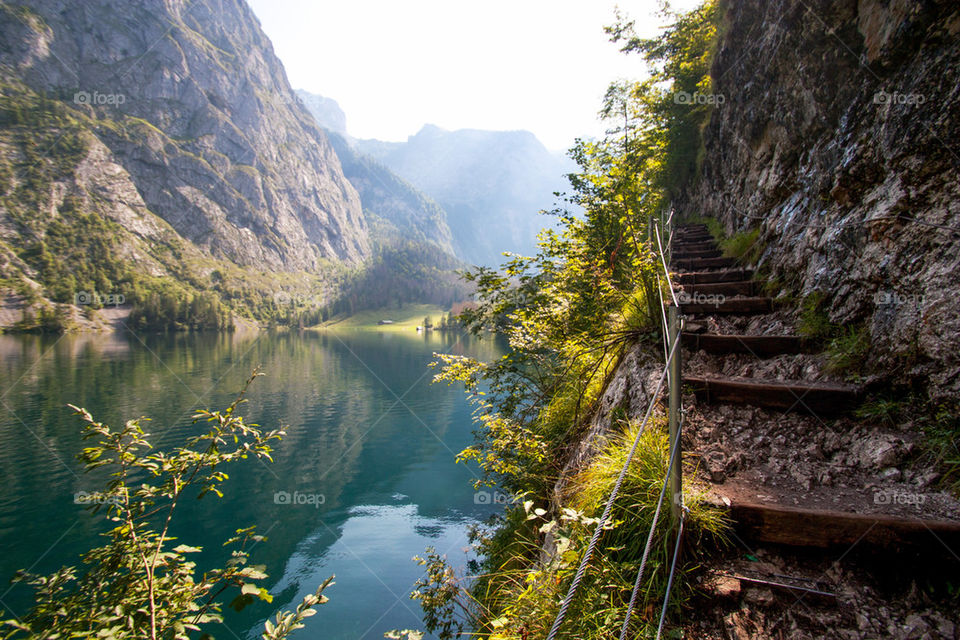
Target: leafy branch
137 585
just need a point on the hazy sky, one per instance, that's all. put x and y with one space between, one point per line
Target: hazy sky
395 65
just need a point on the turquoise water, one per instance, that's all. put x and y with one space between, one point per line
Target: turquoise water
370 443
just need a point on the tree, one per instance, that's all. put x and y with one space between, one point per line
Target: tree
137 585
568 312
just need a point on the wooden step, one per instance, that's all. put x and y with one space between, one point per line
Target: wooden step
820 398
802 527
707 304
696 226
692 255
694 246
706 277
742 288
698 264
760 346
693 237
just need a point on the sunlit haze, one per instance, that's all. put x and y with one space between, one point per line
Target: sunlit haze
539 65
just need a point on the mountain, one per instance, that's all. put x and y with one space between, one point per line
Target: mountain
326 111
394 207
492 184
190 100
155 150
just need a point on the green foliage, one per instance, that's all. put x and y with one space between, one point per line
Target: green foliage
847 352
743 246
514 600
404 271
569 312
679 62
813 321
52 320
138 585
171 308
441 597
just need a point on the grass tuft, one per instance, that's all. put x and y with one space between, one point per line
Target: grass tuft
743 246
847 353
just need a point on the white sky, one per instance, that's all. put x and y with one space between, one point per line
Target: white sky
395 65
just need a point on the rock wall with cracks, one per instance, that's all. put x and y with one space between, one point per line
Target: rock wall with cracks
192 102
838 138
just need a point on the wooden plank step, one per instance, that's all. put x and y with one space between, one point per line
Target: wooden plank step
821 398
706 277
742 288
694 246
690 227
707 304
697 264
693 237
691 255
760 346
804 527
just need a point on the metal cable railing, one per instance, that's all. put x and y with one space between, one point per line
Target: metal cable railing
671 369
601 525
646 548
673 570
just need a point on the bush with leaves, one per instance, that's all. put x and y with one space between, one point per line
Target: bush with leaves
138 585
570 312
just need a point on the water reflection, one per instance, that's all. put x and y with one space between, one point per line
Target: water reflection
365 430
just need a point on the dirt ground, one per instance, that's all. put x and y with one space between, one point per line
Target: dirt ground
841 464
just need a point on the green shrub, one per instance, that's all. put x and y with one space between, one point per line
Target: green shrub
138 585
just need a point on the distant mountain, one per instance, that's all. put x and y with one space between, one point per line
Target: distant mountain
492 184
326 111
393 207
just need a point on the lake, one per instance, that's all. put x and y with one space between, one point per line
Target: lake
370 442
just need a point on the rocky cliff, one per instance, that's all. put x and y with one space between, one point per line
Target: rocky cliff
187 103
837 139
396 208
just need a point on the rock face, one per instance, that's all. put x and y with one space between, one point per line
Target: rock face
837 137
396 209
492 184
192 103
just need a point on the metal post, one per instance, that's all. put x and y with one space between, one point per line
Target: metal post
674 416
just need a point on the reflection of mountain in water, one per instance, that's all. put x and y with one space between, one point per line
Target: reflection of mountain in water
365 428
